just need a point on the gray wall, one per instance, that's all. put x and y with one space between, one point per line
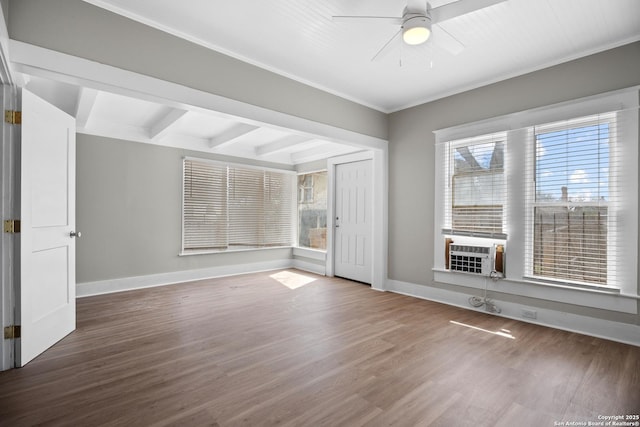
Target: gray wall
411 150
129 196
128 206
83 30
4 4
127 213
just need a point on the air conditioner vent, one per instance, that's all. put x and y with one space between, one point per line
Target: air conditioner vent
470 259
471 249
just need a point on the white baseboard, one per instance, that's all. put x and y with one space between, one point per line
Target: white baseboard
310 267
138 282
615 331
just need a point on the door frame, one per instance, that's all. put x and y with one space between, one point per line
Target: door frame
379 251
10 243
9 200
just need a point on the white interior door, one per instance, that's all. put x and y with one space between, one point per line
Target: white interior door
353 224
47 248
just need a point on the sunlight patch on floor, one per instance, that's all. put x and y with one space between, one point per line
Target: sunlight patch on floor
505 333
292 280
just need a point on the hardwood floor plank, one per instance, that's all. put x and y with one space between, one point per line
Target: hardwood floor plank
248 350
420 406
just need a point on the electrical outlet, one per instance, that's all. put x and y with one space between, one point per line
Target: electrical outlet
529 314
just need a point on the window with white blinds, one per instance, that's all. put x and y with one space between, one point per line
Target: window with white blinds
573 198
476 188
557 185
228 207
204 208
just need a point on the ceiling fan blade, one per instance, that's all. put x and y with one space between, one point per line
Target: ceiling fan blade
384 50
368 19
417 6
443 39
460 7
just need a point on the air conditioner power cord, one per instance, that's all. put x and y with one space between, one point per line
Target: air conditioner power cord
476 301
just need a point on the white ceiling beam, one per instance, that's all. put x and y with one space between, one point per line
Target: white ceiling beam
158 129
281 144
41 62
140 134
84 106
320 152
231 135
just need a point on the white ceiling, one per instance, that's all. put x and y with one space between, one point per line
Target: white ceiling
299 39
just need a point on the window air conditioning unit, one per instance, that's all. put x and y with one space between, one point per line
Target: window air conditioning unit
481 260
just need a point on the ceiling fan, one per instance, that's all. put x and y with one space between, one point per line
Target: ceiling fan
419 19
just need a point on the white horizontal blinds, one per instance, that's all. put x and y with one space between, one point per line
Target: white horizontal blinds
279 209
245 207
573 202
261 208
229 207
477 193
204 206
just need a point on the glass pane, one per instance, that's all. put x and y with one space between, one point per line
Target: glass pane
572 167
312 210
478 187
573 164
570 243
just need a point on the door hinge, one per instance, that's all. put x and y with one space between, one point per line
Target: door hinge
11 332
13 117
11 225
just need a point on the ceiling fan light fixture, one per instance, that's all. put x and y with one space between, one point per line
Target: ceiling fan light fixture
416 30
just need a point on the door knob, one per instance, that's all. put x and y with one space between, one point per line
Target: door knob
75 234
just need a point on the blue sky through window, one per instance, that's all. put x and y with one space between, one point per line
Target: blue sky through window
576 158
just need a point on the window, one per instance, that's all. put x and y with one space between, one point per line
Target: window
229 207
569 206
574 181
476 186
204 208
312 210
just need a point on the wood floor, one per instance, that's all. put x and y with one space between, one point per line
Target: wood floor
250 350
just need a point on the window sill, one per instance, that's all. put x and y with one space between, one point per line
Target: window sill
608 299
227 251
316 254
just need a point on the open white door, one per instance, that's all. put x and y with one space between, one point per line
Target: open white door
353 224
47 247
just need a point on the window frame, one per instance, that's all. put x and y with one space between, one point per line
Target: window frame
532 202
